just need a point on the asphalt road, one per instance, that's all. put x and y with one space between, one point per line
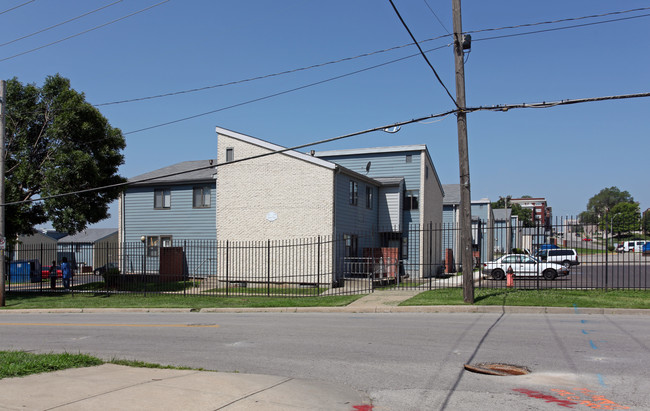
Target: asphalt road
402 361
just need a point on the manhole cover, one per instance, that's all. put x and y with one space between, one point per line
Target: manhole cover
497 369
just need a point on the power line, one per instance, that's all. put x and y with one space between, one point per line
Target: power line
175 93
354 134
422 53
18 6
59 24
562 28
560 20
436 16
85 31
549 104
504 107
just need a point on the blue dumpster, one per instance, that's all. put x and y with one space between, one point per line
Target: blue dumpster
25 271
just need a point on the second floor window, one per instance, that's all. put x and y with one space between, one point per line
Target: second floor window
354 193
369 197
201 197
162 198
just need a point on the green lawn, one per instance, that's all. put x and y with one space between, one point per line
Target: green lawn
447 296
537 298
102 300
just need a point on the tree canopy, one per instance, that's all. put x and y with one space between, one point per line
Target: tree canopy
613 210
601 203
57 143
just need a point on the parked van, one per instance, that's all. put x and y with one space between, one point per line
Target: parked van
564 256
635 246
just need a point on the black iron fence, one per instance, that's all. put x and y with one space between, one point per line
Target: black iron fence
423 257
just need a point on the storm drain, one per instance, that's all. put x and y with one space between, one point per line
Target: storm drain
497 369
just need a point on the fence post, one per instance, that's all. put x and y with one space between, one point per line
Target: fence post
268 268
227 256
318 267
183 268
40 275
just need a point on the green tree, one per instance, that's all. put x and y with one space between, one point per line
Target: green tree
625 217
606 199
57 143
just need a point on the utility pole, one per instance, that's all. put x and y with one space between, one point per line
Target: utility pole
463 163
3 265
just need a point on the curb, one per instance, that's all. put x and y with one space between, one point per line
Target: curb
426 309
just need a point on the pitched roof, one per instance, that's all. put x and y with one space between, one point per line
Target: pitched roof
452 194
89 235
502 214
186 171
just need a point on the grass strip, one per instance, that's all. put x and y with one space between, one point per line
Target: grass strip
537 298
103 300
20 363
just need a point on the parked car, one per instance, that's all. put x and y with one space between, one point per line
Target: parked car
564 256
108 266
45 271
646 248
523 266
586 239
547 247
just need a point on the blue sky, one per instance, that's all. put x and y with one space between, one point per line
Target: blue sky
566 154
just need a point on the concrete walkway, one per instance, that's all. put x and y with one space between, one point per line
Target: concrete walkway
115 387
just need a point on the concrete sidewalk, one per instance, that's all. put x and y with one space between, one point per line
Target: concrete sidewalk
115 387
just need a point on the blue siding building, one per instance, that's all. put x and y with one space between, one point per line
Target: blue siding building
416 184
166 206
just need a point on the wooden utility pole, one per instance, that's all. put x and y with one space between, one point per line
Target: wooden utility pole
463 163
3 265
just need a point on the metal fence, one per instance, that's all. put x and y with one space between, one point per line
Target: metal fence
345 264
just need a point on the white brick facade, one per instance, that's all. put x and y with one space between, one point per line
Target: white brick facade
276 197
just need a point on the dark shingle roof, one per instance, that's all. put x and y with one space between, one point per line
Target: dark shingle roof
187 171
452 194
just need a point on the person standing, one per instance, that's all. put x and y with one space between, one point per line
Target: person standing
53 275
66 272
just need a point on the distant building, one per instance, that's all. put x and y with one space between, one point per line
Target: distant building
90 248
542 214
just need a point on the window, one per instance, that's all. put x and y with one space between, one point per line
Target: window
351 245
162 198
230 154
165 241
354 192
411 200
201 197
369 191
153 243
409 158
